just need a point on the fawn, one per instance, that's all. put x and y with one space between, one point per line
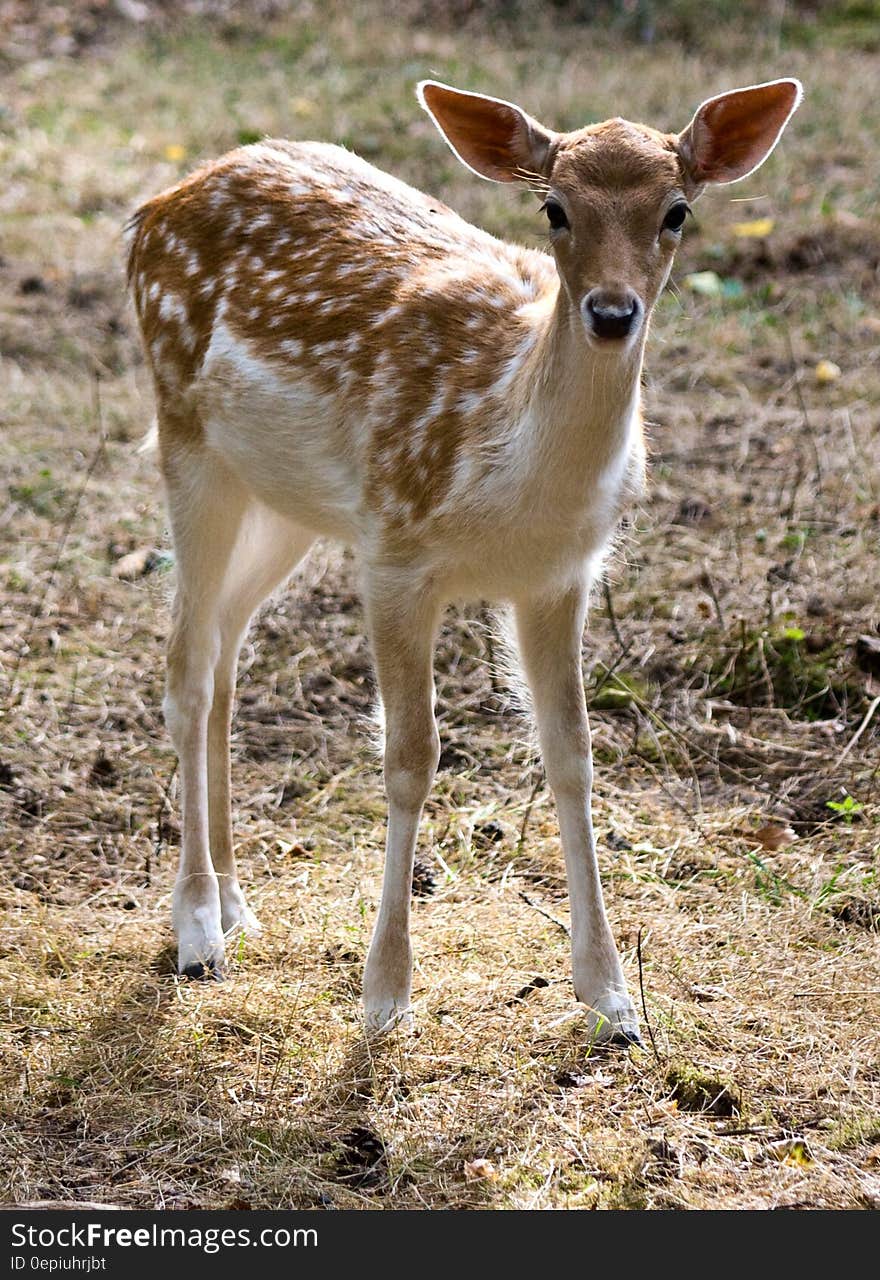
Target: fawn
337 354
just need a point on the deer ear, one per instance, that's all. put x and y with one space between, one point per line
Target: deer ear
492 137
732 135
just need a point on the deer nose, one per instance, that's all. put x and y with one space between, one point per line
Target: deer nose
612 313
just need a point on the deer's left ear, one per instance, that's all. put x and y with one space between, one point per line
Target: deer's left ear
494 138
732 135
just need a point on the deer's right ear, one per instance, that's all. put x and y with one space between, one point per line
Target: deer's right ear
494 138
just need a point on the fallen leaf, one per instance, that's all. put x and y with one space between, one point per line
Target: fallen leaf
484 1169
826 371
290 850
755 229
706 283
774 836
792 1151
662 1109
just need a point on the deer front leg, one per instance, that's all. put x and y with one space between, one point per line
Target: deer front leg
402 622
549 633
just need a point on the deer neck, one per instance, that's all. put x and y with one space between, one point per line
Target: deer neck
588 395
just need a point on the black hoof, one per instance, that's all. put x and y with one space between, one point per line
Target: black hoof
623 1039
203 973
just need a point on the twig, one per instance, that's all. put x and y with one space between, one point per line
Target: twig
644 1002
607 673
869 715
765 670
788 512
528 813
744 1129
257 1075
745 656
834 992
817 475
710 587
612 618
560 924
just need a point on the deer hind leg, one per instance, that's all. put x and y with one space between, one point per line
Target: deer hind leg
549 634
267 550
206 506
402 619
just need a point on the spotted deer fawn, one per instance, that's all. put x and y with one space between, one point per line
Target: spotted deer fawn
335 353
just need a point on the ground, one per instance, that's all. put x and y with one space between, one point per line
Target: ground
732 669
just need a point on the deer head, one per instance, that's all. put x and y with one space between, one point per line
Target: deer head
615 194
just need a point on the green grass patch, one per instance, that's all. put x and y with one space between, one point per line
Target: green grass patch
697 1090
781 667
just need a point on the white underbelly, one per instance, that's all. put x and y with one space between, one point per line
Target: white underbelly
282 436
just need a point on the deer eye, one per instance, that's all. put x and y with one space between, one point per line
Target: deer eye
674 220
555 215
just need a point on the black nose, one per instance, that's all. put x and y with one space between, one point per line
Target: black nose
612 315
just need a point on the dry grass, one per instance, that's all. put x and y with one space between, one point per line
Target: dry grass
726 697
